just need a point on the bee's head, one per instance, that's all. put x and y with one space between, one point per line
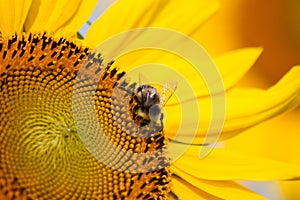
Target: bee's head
147 96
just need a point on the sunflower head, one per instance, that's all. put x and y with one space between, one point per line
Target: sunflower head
50 149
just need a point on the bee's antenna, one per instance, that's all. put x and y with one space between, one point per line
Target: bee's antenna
139 78
142 79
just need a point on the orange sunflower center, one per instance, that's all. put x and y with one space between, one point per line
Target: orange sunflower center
42 155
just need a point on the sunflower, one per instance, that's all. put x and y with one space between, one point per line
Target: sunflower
43 155
259 23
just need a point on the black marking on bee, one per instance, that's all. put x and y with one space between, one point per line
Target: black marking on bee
145 104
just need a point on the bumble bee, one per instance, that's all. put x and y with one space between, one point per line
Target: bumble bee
147 103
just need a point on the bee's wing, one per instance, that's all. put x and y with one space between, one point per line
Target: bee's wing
167 91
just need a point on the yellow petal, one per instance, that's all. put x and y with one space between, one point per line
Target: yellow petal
81 16
125 15
291 189
234 65
185 191
244 108
248 108
223 164
52 15
13 14
220 189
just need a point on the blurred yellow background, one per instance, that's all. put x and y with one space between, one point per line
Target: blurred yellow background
274 25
